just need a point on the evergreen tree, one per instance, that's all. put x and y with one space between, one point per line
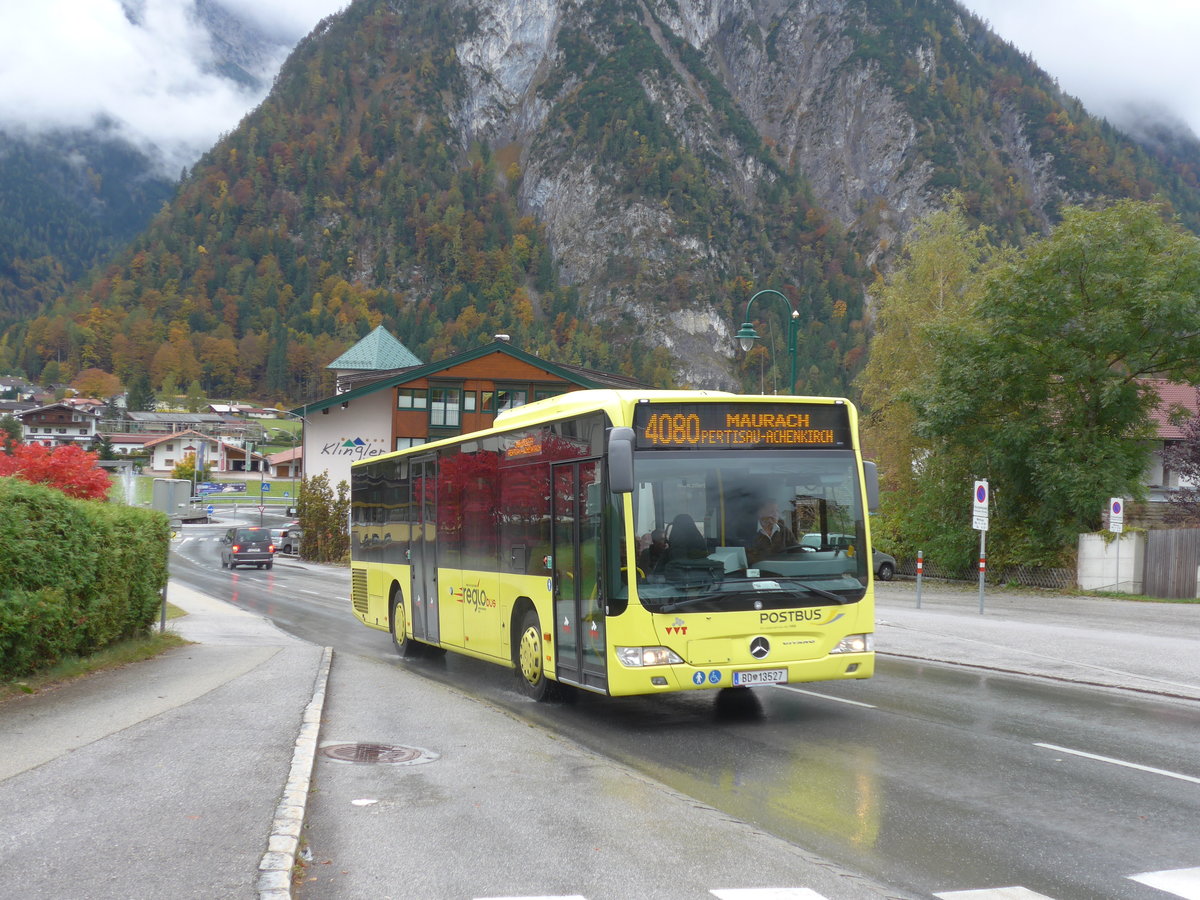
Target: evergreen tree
195 397
140 396
10 432
104 448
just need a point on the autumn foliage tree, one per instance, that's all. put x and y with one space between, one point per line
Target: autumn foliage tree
96 383
68 468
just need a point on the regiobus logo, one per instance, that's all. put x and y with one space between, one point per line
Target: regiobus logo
473 595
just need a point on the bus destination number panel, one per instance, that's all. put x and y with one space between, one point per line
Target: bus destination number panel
726 426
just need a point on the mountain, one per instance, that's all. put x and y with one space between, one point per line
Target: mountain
608 182
68 200
71 197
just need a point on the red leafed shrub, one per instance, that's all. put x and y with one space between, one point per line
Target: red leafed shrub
69 468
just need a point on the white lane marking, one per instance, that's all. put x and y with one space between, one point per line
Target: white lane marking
1004 893
1120 762
767 894
796 690
1180 882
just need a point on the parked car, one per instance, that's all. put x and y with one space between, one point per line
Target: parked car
883 563
249 545
287 539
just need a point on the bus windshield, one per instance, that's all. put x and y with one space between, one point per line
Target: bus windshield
735 530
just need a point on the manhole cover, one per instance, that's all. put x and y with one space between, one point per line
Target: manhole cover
387 754
390 754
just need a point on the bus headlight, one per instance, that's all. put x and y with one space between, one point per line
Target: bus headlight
855 643
647 656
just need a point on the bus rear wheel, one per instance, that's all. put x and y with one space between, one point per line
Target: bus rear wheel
530 659
405 646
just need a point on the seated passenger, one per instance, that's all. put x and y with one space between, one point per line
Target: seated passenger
773 535
684 540
653 550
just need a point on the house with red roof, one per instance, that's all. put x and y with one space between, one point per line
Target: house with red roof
1178 403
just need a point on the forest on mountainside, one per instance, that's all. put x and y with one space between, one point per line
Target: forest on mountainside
350 199
68 202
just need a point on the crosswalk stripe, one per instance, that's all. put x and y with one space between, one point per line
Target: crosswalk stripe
1183 883
1004 893
766 894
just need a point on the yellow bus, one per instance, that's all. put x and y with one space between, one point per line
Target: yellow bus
610 540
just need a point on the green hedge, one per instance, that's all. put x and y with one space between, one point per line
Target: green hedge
75 575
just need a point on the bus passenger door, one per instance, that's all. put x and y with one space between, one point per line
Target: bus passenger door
576 549
423 593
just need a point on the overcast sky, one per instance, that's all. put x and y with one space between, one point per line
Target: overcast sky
1109 53
64 62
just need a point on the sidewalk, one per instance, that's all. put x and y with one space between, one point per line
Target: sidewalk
1147 647
188 775
163 778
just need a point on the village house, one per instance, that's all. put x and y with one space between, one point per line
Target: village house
58 423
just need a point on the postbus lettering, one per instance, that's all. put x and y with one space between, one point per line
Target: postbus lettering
787 616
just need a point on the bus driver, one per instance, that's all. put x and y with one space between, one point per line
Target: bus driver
773 535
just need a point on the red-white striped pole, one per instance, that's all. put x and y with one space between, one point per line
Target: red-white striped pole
920 570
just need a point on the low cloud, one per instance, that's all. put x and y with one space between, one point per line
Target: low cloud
146 67
1117 57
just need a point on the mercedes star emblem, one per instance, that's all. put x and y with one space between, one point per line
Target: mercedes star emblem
760 647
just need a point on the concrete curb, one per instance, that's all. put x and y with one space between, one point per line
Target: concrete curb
283 846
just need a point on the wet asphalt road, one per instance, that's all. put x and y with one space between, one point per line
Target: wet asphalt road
928 778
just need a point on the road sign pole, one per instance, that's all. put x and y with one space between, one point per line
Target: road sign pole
1116 524
982 565
980 499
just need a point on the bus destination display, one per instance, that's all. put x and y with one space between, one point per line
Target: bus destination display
684 426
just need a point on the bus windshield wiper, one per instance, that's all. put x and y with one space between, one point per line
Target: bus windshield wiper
689 601
821 592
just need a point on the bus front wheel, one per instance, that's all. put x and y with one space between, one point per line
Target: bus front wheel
404 645
531 658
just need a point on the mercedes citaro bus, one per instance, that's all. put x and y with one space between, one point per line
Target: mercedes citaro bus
526 544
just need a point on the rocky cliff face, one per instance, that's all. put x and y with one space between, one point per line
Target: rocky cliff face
795 71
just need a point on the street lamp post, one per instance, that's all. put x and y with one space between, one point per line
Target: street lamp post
747 335
303 423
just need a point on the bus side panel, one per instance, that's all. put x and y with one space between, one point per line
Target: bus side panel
449 608
522 589
478 599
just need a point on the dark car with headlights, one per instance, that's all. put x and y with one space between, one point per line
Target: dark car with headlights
247 545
